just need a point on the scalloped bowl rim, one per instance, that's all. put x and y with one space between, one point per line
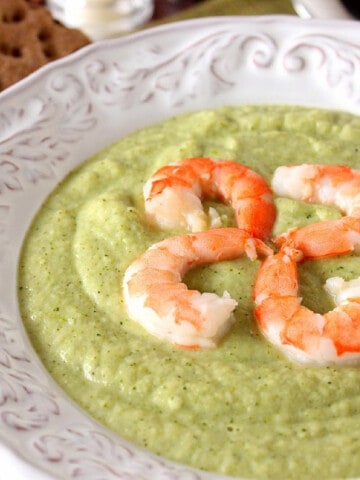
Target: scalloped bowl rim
91 78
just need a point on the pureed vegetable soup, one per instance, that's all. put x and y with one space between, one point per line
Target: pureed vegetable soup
241 408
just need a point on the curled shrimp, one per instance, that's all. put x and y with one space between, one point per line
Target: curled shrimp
174 192
156 297
303 335
327 184
336 185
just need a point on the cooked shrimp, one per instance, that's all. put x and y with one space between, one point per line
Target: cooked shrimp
303 335
157 299
336 185
317 239
173 195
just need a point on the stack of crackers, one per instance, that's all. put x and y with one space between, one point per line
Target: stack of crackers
30 38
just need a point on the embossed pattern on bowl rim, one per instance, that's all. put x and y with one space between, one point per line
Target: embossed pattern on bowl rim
70 109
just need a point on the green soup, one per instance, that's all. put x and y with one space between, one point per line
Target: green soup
241 409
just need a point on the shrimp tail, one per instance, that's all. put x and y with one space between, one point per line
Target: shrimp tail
255 248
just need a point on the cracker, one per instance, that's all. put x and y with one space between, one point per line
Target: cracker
31 38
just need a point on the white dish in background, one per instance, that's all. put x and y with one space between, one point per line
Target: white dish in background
326 9
102 19
70 109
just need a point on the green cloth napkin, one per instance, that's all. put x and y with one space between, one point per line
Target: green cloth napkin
209 8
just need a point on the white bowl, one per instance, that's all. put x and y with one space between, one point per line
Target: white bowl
68 110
